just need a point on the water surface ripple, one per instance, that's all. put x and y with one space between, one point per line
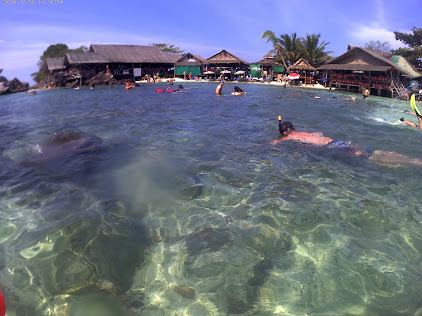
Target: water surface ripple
177 203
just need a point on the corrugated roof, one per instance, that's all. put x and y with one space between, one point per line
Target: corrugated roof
55 63
402 63
224 57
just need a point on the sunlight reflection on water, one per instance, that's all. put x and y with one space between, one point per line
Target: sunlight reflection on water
186 208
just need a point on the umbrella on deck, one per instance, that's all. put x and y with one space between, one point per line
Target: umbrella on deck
239 72
293 76
208 72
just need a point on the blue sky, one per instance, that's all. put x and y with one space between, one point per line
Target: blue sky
202 27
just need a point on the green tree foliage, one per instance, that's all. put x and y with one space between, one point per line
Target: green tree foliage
313 50
290 48
413 51
169 48
291 45
383 48
276 42
57 50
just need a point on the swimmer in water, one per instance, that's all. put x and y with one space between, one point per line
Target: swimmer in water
238 91
219 89
386 158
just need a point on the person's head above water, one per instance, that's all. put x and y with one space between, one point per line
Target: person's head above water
286 128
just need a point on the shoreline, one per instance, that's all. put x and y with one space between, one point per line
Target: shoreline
276 83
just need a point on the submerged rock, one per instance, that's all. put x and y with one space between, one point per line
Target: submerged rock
185 291
66 153
232 177
208 238
189 186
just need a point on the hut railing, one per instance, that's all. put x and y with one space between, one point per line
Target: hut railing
399 90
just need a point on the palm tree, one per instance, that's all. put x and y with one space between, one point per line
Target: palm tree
291 45
312 50
278 48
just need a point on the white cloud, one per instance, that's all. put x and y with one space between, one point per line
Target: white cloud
362 34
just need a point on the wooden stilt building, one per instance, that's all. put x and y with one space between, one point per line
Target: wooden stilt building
361 68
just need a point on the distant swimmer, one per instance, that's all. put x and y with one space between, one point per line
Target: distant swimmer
172 90
365 93
219 89
77 88
33 92
386 158
353 99
180 86
238 91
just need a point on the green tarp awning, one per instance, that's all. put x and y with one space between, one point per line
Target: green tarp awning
278 69
195 70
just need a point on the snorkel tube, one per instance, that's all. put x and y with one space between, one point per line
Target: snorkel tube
279 123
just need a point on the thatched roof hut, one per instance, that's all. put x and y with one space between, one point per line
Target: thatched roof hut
190 60
268 64
104 54
224 58
365 68
189 63
55 63
268 61
85 58
301 64
363 59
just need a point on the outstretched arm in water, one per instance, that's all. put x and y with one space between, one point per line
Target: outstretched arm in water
393 159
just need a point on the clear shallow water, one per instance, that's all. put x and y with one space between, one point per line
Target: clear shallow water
184 207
